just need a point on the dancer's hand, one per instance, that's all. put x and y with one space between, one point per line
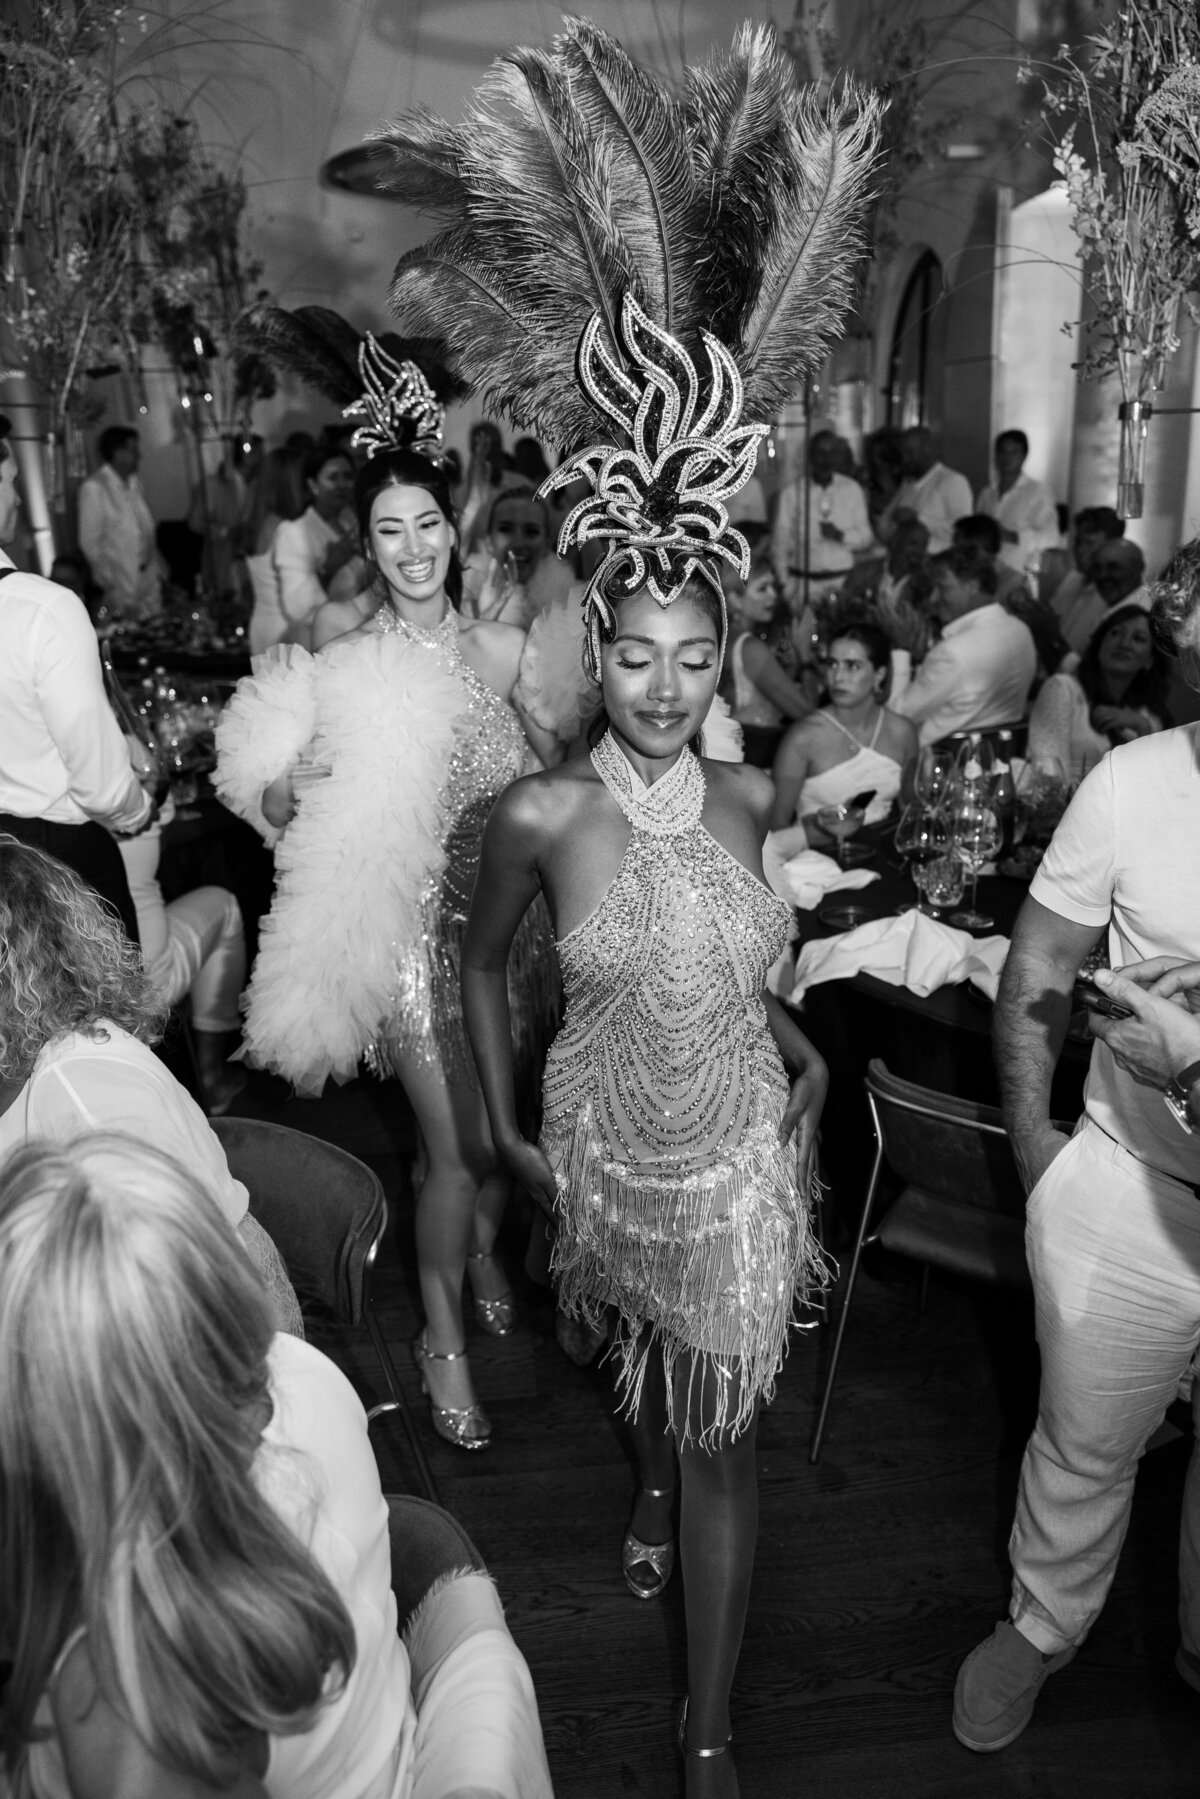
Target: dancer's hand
529 1166
803 1115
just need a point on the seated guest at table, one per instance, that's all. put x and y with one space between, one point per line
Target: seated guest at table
852 745
195 1559
318 556
77 1017
1013 590
978 529
195 945
515 575
760 692
116 529
981 669
1074 600
66 780
1023 508
930 491
1116 693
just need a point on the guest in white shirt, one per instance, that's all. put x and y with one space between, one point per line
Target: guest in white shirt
930 491
821 523
981 669
317 557
515 575
1074 599
66 780
116 529
1022 507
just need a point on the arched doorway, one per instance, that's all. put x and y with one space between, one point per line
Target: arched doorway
915 365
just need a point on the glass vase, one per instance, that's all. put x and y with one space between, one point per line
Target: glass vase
1131 471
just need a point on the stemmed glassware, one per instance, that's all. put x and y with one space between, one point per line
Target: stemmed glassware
921 837
840 822
976 834
935 776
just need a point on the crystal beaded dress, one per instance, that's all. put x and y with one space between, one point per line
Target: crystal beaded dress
664 1092
400 750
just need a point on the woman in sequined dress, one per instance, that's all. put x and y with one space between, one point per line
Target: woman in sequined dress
375 764
664 1153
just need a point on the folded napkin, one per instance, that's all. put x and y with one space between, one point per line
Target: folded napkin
912 951
805 879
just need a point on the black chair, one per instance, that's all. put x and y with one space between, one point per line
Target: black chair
962 1205
326 1214
428 1545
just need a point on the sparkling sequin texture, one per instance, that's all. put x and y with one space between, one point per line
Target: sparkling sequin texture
663 1096
426 1021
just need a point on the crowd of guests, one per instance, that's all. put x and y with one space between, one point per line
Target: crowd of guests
155 1314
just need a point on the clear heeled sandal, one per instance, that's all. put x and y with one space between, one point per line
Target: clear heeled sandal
467 1427
498 1317
685 1748
660 1557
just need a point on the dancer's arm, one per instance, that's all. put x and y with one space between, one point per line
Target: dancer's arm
506 885
807 1099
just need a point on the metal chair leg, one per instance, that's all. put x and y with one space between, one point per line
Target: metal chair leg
398 1403
835 1357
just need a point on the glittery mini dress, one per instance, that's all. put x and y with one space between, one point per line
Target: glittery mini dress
664 1092
397 750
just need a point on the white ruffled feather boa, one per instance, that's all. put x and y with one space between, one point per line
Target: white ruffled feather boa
264 730
365 845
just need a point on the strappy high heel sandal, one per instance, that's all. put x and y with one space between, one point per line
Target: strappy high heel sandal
467 1427
685 1748
659 1557
498 1317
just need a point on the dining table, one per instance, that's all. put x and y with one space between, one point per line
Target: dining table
942 1040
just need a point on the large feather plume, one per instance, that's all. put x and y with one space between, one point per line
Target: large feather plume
578 177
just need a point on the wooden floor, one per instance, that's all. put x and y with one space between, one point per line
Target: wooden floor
876 1571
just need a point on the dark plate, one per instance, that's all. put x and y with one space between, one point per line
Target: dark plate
844 915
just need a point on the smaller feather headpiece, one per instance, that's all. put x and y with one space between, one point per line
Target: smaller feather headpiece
400 409
397 386
659 501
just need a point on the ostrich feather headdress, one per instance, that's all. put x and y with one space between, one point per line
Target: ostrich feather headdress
623 262
395 386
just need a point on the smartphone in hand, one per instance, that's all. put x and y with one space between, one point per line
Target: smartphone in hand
1087 994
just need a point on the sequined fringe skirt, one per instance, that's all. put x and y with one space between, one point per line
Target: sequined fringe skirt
705 1269
427 1022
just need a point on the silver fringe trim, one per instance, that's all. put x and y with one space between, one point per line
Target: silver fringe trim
706 1269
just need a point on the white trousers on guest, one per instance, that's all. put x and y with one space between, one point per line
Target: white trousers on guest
205 956
1114 1252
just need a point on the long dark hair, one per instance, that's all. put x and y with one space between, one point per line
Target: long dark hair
407 468
1148 689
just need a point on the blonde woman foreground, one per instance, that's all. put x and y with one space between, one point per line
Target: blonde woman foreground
194 1569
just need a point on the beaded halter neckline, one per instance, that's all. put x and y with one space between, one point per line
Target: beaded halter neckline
674 803
443 634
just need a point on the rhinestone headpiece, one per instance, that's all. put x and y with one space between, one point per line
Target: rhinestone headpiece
400 409
660 501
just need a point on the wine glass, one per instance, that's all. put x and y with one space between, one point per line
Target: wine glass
935 774
1041 800
840 822
976 834
921 837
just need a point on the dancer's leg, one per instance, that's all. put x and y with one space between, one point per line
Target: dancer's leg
654 1447
718 1531
453 1124
488 1278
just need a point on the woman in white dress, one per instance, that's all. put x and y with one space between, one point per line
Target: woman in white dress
853 745
279 496
373 766
317 556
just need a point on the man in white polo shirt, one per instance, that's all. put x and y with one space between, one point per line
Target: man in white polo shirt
981 669
930 491
1022 507
1113 1226
66 780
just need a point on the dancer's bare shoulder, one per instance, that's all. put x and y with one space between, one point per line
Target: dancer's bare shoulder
742 785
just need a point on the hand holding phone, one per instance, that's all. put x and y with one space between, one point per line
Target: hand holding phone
1089 995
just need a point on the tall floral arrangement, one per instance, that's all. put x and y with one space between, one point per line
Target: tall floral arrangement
67 214
1124 120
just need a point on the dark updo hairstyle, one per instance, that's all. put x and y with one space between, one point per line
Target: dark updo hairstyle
407 468
1148 689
